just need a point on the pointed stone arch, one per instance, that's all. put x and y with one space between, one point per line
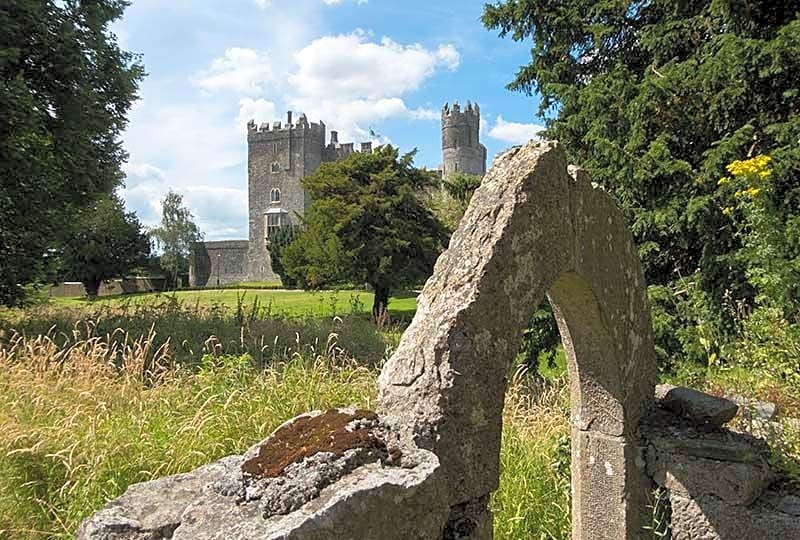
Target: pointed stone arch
533 228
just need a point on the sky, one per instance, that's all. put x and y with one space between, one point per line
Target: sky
385 66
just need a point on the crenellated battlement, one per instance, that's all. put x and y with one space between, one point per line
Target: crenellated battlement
302 127
470 110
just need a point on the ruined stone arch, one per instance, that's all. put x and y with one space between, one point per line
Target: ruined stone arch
533 228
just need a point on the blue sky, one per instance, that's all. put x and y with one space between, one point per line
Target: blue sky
354 64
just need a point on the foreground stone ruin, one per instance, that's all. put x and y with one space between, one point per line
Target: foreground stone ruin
425 465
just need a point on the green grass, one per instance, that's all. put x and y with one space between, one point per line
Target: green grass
72 441
289 302
75 431
95 396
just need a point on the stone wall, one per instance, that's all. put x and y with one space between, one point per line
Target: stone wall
220 263
718 483
110 287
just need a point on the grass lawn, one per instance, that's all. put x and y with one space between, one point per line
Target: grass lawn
287 302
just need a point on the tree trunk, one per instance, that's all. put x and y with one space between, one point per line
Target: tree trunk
380 306
92 287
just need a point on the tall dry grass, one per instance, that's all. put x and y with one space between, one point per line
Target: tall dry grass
79 424
87 412
533 501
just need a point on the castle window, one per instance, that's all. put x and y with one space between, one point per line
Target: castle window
275 149
274 223
275 195
276 167
274 219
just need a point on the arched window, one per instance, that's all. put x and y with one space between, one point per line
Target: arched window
276 167
275 195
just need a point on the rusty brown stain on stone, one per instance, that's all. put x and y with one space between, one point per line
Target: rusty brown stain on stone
311 435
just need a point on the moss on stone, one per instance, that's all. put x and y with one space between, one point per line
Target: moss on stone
311 435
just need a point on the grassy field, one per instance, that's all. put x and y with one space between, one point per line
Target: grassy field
86 410
289 302
95 396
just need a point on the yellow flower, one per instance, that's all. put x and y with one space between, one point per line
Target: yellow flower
738 193
757 166
753 192
727 211
724 180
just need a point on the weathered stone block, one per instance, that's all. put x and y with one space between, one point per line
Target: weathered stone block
696 406
613 466
735 483
710 518
318 476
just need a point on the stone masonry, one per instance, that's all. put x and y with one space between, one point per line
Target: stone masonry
278 158
426 463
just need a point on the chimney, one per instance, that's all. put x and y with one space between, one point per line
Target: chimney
289 118
334 137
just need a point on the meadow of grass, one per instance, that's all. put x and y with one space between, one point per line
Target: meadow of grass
96 396
86 408
402 305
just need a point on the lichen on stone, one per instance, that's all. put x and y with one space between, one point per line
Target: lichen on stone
333 432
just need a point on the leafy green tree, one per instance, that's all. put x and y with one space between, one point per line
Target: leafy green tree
65 89
277 242
461 186
450 202
367 224
176 235
655 99
105 242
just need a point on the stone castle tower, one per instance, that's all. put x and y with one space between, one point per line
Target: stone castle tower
462 150
277 161
278 158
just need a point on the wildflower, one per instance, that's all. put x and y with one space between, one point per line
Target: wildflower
752 192
727 211
724 180
757 166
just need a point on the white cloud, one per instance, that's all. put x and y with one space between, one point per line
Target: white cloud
348 66
449 56
263 4
241 70
514 132
337 2
217 210
259 110
136 173
352 82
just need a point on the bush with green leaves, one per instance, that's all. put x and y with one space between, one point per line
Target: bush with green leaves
277 242
655 99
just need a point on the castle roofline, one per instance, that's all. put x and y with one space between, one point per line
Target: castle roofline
277 126
455 110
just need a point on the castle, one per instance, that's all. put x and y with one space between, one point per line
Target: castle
279 157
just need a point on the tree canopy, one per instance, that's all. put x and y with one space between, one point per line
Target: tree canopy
367 224
65 89
176 235
104 242
656 99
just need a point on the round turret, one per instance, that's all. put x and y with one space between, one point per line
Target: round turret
461 147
